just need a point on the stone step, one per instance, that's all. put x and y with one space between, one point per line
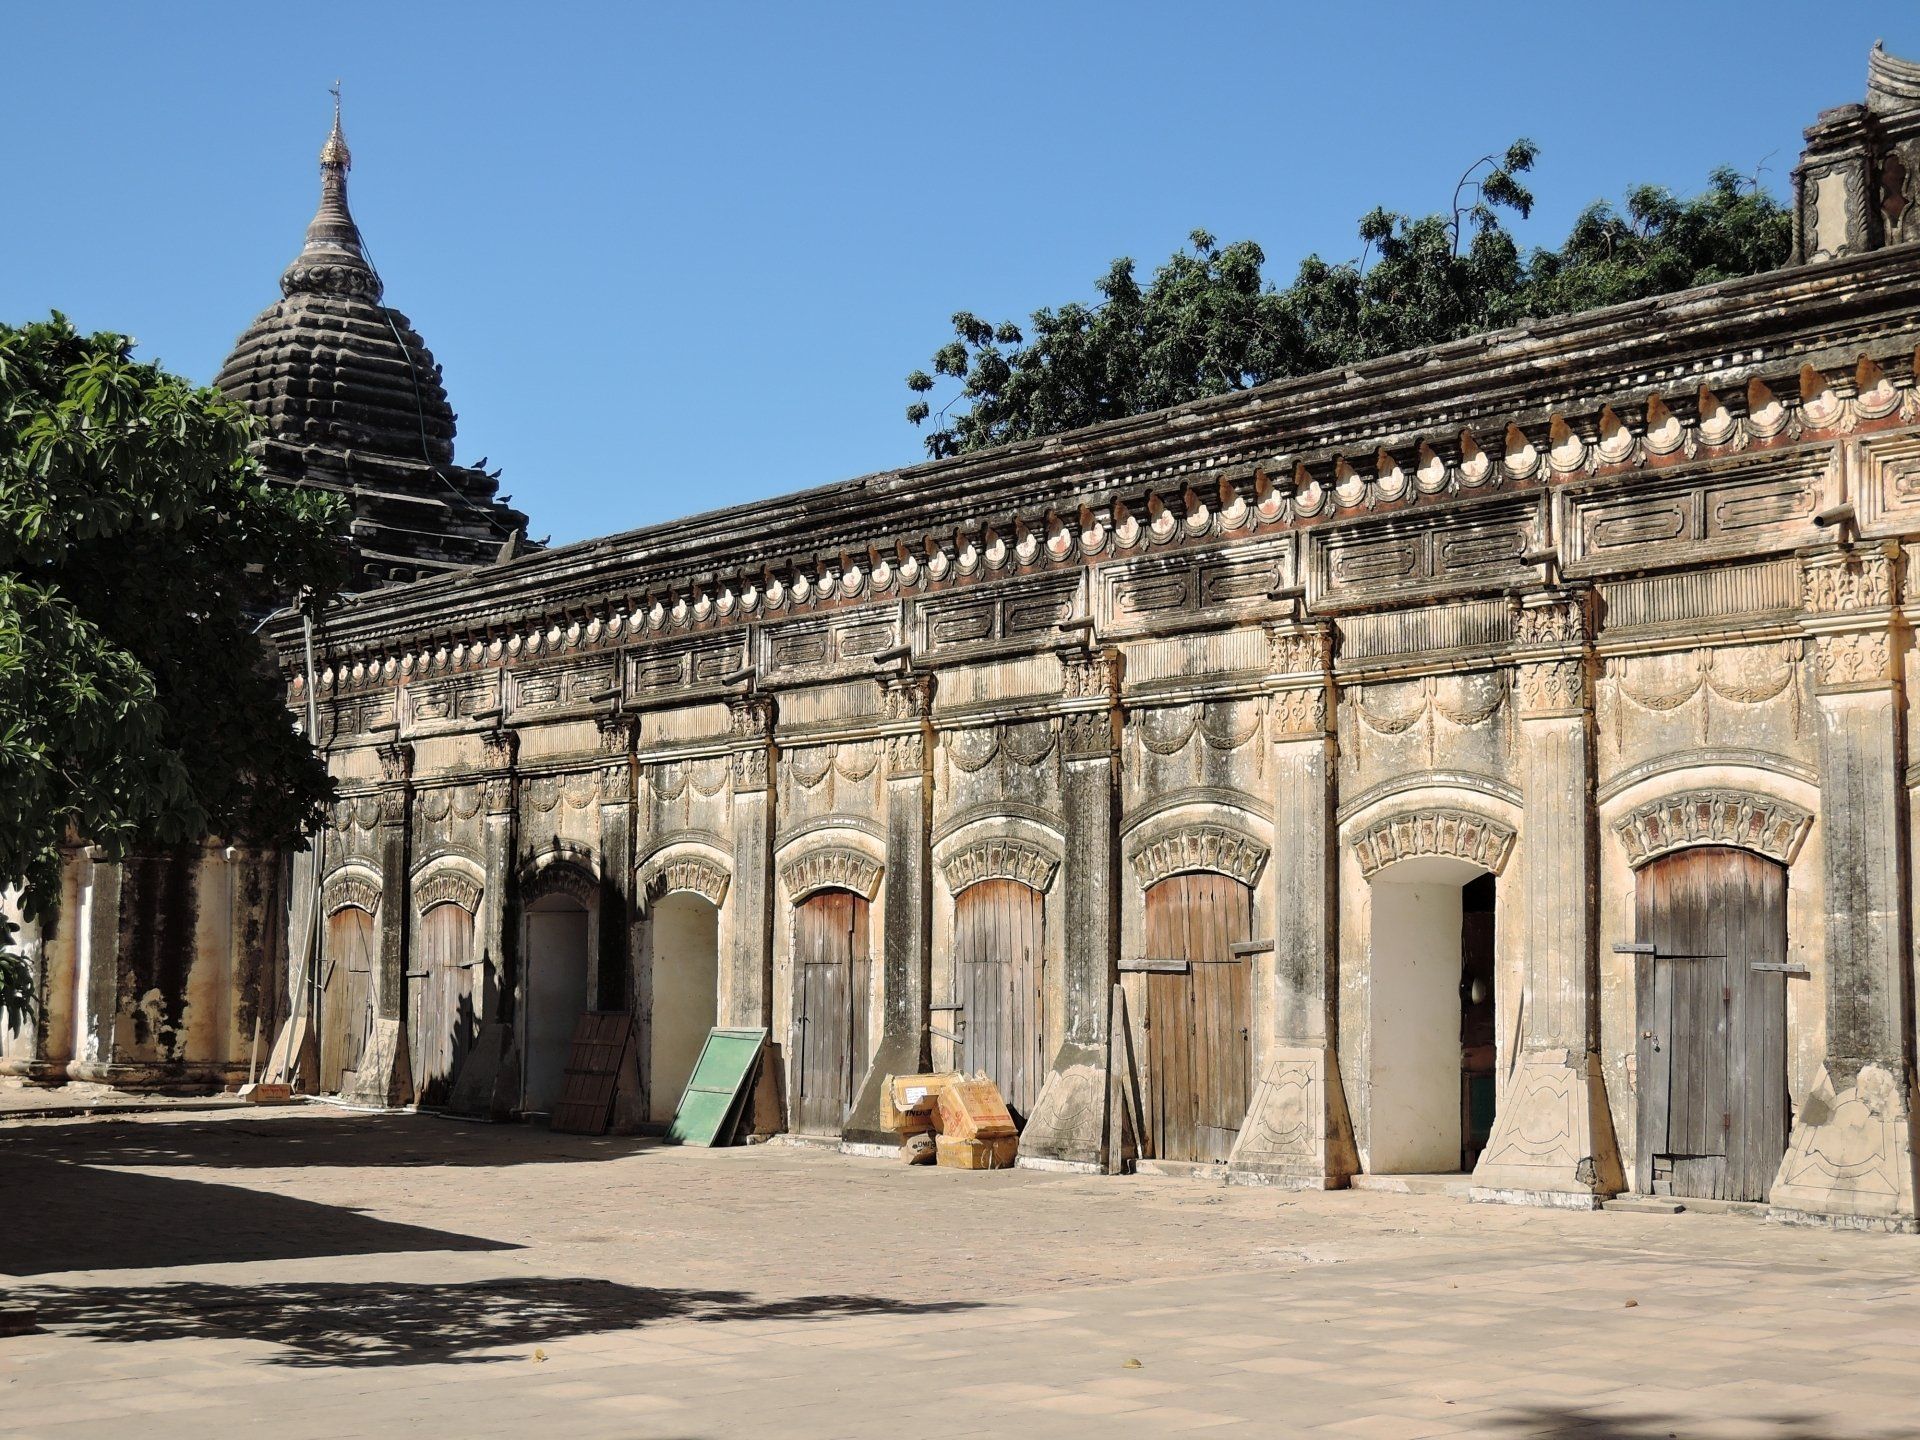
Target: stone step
1457 1184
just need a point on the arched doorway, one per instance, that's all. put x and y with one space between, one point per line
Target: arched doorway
555 969
1432 1031
683 968
440 1001
1712 1001
832 979
997 943
346 988
1198 1014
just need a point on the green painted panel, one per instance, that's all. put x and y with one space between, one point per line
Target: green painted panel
717 1087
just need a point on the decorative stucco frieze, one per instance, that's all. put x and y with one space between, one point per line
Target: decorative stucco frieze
691 874
1763 823
999 858
1439 831
350 889
1199 847
833 867
446 887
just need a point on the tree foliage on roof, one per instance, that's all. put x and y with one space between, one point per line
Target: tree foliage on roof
1207 322
137 543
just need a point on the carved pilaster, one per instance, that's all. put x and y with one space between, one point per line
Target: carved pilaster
1850 1155
1297 1133
748 926
385 1077
1552 1138
905 960
1069 1122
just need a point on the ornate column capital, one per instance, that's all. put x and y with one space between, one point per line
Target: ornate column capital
498 749
1848 595
909 702
750 723
1552 634
396 776
1091 674
1558 619
1297 650
908 697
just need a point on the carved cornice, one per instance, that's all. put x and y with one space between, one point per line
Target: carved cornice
999 858
1772 827
831 868
693 874
447 887
1200 847
1455 834
1250 464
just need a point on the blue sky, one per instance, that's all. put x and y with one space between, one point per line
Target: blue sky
679 257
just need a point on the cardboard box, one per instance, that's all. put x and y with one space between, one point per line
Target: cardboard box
960 1154
973 1110
907 1102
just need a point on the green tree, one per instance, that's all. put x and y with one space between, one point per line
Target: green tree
138 546
1208 322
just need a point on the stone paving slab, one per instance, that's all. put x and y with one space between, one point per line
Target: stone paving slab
335 1275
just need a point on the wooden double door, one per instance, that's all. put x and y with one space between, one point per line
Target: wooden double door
832 986
1198 1014
441 1005
1712 1003
346 996
998 934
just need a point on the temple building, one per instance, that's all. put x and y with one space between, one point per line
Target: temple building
163 971
1492 759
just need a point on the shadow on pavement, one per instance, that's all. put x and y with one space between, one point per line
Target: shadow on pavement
365 1325
1555 1421
312 1137
77 1217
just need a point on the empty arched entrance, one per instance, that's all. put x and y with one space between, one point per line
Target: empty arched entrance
1199 1014
997 939
683 966
440 1001
1432 1032
831 984
346 980
1712 999
553 994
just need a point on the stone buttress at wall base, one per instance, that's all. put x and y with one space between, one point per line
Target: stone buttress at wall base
1552 1141
1297 1135
1068 1125
899 1054
488 1085
1850 1162
385 1077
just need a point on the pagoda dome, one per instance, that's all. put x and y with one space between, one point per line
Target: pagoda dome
349 398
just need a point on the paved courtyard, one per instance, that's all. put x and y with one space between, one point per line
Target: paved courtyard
319 1273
